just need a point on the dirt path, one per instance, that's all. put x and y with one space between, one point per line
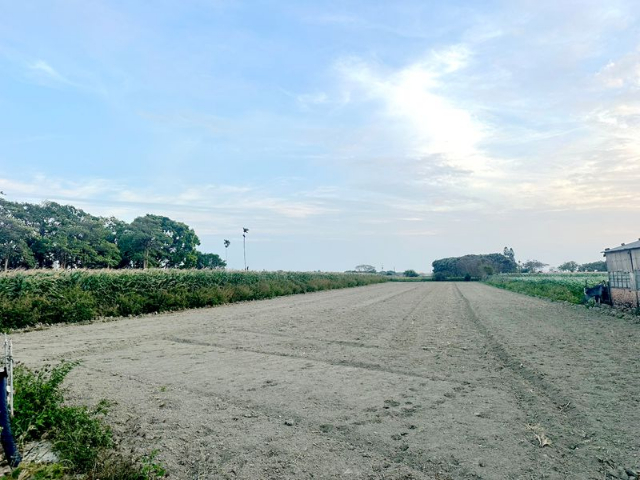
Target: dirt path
400 380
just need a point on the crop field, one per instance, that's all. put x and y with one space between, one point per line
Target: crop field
556 286
425 380
33 297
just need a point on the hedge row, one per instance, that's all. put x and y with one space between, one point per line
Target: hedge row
46 297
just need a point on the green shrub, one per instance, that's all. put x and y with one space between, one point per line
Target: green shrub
563 287
77 433
28 298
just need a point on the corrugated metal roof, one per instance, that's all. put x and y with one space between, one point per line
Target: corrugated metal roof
628 246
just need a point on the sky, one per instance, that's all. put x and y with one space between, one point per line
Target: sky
340 132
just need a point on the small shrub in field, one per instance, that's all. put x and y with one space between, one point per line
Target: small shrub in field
78 434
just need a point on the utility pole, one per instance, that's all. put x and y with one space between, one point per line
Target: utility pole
244 245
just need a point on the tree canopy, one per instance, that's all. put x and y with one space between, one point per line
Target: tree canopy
533 266
600 266
364 268
473 265
53 235
570 266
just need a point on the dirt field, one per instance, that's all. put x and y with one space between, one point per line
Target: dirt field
399 380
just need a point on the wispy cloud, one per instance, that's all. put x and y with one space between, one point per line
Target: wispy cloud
45 70
44 73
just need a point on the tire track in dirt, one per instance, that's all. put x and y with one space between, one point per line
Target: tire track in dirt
336 363
402 336
543 403
345 343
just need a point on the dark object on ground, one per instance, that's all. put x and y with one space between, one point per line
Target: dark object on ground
6 437
600 293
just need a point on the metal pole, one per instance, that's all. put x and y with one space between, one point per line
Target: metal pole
633 278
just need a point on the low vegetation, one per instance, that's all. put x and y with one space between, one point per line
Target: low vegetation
45 297
566 287
78 435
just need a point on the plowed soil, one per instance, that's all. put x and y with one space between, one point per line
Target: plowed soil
399 380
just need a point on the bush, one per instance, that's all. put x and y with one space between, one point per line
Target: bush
50 297
78 434
564 287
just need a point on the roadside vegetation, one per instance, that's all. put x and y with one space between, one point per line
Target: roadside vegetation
565 287
78 436
30 298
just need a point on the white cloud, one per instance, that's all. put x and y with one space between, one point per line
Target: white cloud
43 68
44 73
98 194
416 96
624 72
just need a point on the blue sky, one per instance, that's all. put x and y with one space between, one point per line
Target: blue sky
339 132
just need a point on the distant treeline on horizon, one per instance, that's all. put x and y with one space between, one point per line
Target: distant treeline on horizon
50 235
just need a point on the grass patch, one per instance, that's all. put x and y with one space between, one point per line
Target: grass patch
78 434
564 287
45 297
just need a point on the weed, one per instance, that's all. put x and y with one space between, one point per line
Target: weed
78 434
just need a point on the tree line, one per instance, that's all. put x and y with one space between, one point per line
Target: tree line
477 266
474 266
50 235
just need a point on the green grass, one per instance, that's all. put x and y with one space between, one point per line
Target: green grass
78 434
566 287
45 297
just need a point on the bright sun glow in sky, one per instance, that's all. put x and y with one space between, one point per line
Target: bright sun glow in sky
339 132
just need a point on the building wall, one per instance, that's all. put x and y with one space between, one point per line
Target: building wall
620 261
624 280
624 297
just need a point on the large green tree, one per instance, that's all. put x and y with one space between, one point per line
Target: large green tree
65 235
50 234
570 266
473 265
533 266
593 267
210 260
156 241
14 250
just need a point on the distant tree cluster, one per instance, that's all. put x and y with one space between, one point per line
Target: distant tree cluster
365 269
532 266
474 266
585 267
53 235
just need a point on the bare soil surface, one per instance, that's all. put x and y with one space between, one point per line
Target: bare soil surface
398 380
